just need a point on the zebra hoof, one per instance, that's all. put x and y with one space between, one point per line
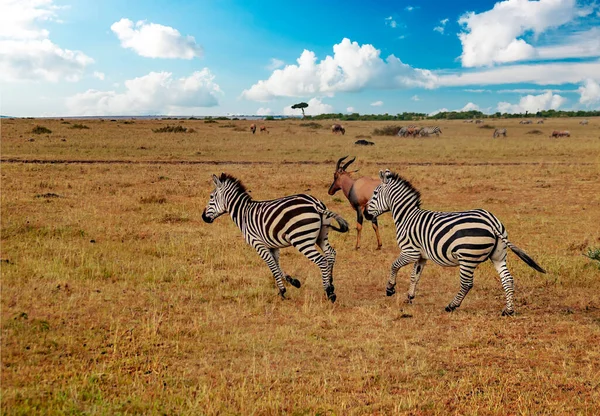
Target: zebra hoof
390 291
330 293
450 308
282 293
409 299
295 282
332 297
508 313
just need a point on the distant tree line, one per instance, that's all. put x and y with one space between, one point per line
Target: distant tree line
451 115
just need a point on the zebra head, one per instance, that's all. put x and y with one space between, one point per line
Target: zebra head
216 203
379 202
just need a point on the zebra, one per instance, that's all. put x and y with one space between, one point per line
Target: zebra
426 131
525 122
499 132
297 220
584 122
463 239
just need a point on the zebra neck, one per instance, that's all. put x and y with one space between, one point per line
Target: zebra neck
402 208
238 205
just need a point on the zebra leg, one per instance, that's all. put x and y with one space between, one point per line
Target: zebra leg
311 253
273 264
499 260
359 222
328 251
288 278
466 284
414 279
376 228
401 261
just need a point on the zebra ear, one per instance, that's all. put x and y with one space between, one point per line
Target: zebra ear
381 175
216 180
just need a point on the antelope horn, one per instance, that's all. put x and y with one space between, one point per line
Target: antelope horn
348 163
337 166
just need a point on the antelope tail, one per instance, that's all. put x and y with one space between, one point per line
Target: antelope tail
522 255
344 227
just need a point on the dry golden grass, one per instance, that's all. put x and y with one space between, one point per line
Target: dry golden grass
118 299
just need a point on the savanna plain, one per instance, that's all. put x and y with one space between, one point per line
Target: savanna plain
118 299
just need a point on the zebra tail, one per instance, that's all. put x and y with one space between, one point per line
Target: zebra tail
344 227
522 255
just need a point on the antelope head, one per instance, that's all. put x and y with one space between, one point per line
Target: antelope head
340 170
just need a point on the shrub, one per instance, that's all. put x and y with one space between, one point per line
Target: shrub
79 126
210 120
312 125
535 132
387 131
486 126
227 126
170 129
129 122
594 254
41 130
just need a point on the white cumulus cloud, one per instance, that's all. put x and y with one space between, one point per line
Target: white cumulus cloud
155 93
590 92
470 107
99 75
315 107
264 112
495 36
350 110
533 103
26 52
377 104
351 68
415 98
153 40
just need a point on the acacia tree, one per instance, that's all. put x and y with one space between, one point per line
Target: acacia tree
300 106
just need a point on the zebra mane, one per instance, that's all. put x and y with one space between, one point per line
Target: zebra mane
406 184
225 177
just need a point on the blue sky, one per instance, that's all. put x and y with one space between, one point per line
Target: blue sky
83 57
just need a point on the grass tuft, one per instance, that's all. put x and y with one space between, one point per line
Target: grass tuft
171 129
387 131
41 130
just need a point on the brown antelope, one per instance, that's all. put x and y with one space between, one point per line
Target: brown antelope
253 128
358 192
264 128
338 128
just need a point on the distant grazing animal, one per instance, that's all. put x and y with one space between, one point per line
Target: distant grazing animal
499 132
264 128
338 128
584 122
357 192
557 133
540 122
478 121
451 239
253 128
412 131
363 142
468 121
300 220
525 122
426 131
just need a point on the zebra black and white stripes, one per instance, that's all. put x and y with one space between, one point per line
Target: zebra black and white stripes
426 131
464 239
299 220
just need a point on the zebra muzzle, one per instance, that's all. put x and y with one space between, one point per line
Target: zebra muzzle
206 218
